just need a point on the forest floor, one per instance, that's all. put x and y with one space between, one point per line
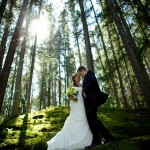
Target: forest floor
32 131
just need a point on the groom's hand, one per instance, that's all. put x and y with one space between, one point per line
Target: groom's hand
84 94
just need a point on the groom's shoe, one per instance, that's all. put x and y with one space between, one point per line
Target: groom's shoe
92 145
112 139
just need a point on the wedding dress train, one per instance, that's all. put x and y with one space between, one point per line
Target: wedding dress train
75 134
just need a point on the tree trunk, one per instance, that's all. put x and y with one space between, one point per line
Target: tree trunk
107 58
138 67
126 66
17 94
66 101
108 89
10 55
2 9
44 85
49 89
75 22
108 64
145 11
53 88
59 84
139 23
138 53
54 91
118 72
26 86
5 35
117 68
147 64
79 52
31 75
89 55
59 87
41 92
12 86
32 68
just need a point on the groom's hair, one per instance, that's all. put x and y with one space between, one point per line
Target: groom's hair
81 68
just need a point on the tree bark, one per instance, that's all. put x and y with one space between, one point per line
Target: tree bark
12 86
49 88
79 52
31 75
2 9
107 58
138 67
6 33
126 105
17 94
89 55
108 64
10 55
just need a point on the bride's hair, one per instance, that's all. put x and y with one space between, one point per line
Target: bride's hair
73 77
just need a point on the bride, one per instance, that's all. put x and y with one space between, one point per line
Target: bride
75 134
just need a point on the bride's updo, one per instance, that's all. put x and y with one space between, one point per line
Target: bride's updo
73 77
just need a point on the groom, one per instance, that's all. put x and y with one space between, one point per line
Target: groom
91 94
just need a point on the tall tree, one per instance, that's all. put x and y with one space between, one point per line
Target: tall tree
2 9
75 23
31 74
142 10
32 64
116 66
89 55
11 51
6 33
137 65
108 64
17 94
67 52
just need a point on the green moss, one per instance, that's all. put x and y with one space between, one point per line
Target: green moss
33 130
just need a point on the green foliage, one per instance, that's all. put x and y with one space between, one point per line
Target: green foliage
32 131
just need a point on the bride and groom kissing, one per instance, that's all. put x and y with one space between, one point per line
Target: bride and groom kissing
82 128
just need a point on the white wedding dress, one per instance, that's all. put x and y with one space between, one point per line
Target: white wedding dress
75 134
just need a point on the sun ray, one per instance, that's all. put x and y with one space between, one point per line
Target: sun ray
40 27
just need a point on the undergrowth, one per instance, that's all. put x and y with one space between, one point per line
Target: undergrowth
32 131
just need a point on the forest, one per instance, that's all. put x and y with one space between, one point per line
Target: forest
43 42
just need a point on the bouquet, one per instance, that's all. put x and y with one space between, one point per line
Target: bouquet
72 94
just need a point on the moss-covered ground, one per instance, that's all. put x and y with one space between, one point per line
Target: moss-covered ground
32 131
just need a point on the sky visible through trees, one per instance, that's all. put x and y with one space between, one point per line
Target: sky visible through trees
42 43
41 26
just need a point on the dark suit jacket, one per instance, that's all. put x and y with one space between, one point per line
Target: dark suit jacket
91 88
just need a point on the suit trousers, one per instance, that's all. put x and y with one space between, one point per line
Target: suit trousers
96 126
